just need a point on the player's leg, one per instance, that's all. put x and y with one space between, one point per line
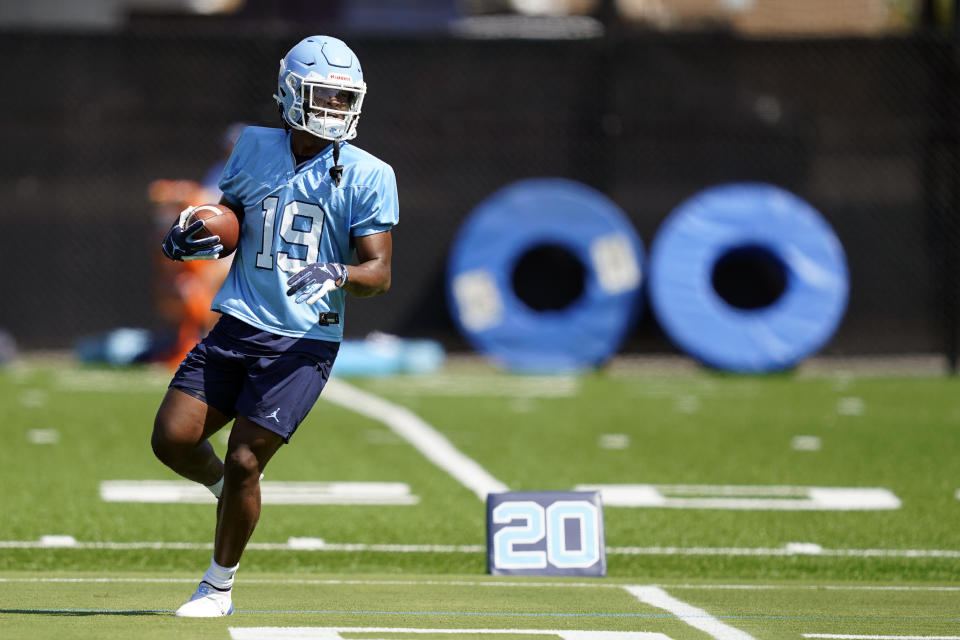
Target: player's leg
277 394
180 437
248 452
199 402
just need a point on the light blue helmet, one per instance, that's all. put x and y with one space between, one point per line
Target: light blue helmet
320 88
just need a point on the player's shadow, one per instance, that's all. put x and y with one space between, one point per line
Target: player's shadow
82 613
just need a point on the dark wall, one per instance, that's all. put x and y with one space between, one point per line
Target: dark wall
859 128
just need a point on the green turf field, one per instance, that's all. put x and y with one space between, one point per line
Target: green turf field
751 538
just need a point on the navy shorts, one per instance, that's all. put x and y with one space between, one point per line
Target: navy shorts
272 380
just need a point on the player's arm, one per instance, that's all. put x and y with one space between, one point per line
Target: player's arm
370 277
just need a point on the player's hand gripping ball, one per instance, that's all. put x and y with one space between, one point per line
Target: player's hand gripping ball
316 280
206 232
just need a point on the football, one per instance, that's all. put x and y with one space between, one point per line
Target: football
218 220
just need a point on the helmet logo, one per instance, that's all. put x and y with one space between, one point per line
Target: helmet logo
341 77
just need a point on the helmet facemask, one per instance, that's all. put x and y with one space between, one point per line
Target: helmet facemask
333 111
327 107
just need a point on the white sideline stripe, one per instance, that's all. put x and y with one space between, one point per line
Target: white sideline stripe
317 544
182 491
418 433
493 583
820 587
844 635
696 618
293 544
788 550
768 498
333 633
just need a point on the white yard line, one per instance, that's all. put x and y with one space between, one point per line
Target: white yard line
696 618
492 582
333 633
812 587
318 544
742 497
310 493
292 544
788 550
479 386
418 433
854 637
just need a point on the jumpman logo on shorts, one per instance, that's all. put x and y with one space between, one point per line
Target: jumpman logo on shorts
274 415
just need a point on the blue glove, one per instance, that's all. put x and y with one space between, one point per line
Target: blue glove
316 280
181 245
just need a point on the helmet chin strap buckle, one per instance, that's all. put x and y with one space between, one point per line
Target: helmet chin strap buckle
336 171
336 174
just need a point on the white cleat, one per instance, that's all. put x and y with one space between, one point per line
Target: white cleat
207 602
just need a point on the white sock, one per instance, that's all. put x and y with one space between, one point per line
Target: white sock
216 488
220 577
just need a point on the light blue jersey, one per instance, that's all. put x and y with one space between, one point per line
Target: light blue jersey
293 218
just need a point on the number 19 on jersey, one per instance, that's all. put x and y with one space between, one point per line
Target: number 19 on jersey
554 533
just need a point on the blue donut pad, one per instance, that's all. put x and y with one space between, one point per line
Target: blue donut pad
537 212
715 221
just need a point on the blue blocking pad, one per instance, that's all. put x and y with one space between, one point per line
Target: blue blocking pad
512 222
546 533
767 221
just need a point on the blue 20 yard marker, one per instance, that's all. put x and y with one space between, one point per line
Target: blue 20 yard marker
553 533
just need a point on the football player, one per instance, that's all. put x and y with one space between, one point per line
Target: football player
316 214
